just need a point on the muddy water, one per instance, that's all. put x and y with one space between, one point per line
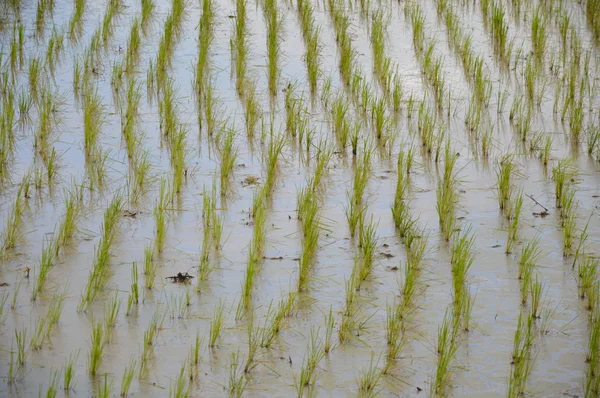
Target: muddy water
482 363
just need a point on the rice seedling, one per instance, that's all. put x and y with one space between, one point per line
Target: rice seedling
522 360
53 384
150 267
20 337
134 295
97 345
39 335
505 173
236 377
216 325
447 194
394 333
563 174
147 11
127 377
104 388
3 315
13 233
92 118
308 212
252 112
11 368
313 355
513 226
538 33
46 262
75 24
446 349
54 312
68 371
369 378
586 272
367 244
462 259
160 216
228 157
273 22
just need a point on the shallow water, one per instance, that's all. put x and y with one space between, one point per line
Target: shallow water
482 364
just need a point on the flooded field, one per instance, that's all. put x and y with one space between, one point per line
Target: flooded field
299 198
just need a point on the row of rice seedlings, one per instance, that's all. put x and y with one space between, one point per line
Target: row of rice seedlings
447 194
311 35
100 273
13 231
273 22
309 203
259 215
